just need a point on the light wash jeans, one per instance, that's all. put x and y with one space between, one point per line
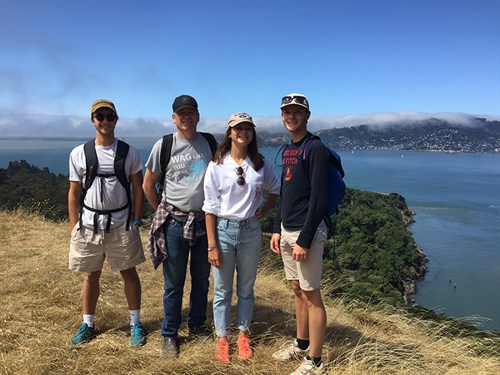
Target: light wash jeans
239 243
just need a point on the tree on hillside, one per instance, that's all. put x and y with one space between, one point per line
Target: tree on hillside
25 186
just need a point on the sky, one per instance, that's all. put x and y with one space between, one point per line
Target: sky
356 60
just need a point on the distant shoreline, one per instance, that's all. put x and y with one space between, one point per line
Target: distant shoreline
265 142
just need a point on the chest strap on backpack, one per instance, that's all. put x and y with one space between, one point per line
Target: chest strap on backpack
105 212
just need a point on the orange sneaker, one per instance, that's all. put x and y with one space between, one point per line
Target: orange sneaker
244 350
222 350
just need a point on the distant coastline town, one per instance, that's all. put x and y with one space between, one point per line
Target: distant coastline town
428 135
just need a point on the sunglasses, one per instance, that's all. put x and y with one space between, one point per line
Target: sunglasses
296 99
101 117
241 180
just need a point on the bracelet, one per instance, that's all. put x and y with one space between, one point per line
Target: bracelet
138 222
212 247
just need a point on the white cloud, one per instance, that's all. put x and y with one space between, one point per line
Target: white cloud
14 125
385 118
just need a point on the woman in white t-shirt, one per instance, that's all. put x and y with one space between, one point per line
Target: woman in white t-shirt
234 184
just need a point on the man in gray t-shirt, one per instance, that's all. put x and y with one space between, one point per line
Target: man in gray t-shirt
185 238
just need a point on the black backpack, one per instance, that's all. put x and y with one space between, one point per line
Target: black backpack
91 173
166 151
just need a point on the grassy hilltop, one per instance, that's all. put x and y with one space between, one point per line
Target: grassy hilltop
41 310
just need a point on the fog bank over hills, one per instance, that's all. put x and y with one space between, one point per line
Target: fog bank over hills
15 125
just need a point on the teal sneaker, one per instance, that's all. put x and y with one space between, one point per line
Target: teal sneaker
137 334
84 334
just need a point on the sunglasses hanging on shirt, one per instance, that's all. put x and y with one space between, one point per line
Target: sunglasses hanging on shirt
240 180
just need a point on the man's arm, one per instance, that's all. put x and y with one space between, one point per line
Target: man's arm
274 244
149 187
136 180
75 189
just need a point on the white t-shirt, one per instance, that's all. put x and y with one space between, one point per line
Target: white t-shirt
109 189
225 198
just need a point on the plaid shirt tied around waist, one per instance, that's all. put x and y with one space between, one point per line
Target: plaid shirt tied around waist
157 243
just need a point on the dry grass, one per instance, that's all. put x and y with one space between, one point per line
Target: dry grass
41 310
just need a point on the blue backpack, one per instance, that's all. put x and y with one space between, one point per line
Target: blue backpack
336 184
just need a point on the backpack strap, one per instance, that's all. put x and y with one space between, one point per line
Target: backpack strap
212 142
282 149
91 163
166 151
119 166
331 154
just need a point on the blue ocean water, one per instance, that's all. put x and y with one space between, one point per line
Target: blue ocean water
456 198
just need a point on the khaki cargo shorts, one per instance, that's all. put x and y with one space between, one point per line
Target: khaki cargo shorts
122 248
308 272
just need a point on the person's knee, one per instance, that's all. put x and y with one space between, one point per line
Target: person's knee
130 275
295 285
313 298
92 277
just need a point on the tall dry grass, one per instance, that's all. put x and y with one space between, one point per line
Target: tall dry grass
40 311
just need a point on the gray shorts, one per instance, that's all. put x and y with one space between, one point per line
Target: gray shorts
308 272
87 250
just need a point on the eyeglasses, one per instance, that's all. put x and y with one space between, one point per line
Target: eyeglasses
241 180
296 99
101 117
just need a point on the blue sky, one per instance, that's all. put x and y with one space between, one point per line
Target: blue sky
353 59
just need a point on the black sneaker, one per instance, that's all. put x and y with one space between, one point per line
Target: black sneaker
170 347
200 334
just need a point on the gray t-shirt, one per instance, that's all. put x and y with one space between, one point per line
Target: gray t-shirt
185 172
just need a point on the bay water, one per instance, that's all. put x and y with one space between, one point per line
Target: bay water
456 198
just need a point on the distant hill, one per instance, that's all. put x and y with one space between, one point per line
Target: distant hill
425 135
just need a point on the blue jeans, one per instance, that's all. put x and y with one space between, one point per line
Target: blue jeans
239 243
174 277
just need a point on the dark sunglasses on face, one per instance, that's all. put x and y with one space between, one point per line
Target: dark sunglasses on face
296 99
101 117
241 180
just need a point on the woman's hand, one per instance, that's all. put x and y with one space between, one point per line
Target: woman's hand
214 257
259 215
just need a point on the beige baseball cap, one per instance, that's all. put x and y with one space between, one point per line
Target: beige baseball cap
238 118
102 103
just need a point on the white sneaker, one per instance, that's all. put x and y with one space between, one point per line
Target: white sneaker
289 350
307 367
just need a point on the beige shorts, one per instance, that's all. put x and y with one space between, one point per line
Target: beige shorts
122 248
308 271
